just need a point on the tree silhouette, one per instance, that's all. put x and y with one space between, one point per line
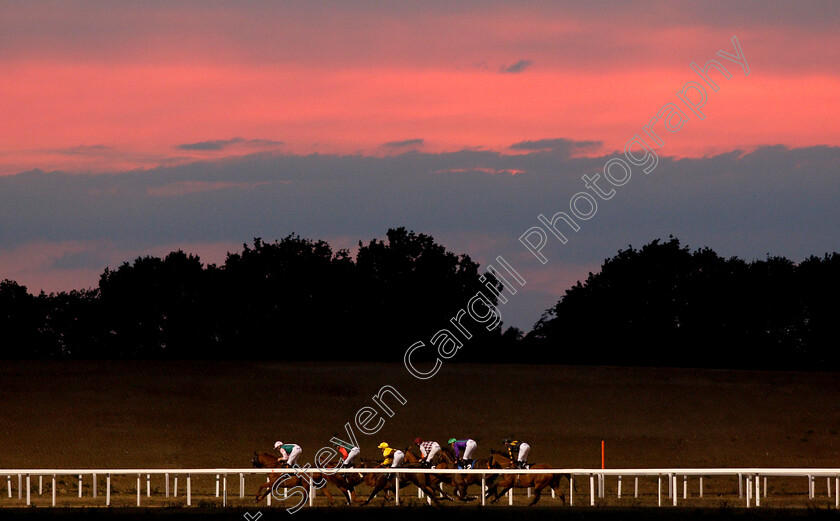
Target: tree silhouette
297 299
664 305
157 308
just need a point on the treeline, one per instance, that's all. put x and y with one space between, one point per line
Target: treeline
665 305
293 299
297 299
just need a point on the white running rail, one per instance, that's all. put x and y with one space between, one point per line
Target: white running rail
750 480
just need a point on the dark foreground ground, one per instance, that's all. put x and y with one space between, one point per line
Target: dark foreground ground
425 513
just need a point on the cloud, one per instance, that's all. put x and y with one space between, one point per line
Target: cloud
190 187
80 150
519 66
567 147
405 143
220 144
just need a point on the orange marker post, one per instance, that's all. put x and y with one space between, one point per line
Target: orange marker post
602 454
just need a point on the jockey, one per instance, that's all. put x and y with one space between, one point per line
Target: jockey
428 451
289 452
520 448
343 448
463 450
392 456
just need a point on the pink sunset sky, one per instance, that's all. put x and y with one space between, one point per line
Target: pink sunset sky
139 91
110 87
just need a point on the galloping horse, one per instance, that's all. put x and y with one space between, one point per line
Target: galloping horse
344 482
382 481
537 481
435 480
458 481
462 481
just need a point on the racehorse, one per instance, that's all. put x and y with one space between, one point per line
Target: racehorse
344 482
458 481
386 482
435 480
462 481
537 481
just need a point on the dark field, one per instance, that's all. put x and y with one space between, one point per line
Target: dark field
198 414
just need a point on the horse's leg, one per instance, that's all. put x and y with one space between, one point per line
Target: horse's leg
344 488
461 488
491 489
379 485
263 491
537 492
259 497
555 486
462 491
505 482
439 489
329 495
501 493
539 483
430 492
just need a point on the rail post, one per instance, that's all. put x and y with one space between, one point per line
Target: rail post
93 484
571 490
80 485
659 491
166 477
674 489
311 491
148 485
748 484
107 489
28 491
483 489
592 490
397 489
53 489
138 490
189 490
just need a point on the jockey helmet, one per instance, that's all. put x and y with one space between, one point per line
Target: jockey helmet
417 441
383 445
278 444
451 441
